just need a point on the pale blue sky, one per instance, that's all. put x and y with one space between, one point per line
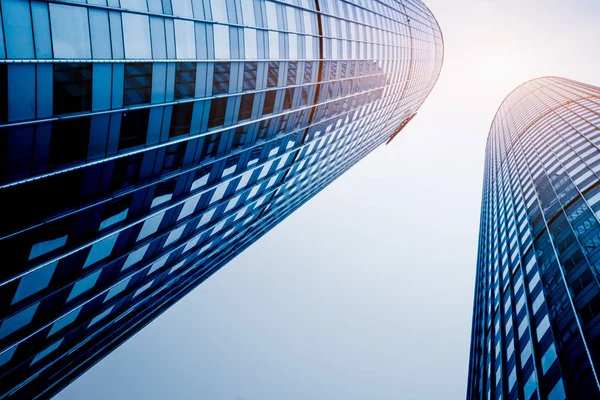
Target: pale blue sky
366 292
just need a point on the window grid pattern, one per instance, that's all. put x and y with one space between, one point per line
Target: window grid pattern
179 133
535 332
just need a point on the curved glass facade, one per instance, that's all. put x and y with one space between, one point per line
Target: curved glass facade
145 143
536 322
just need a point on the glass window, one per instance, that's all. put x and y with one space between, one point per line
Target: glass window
269 105
135 257
18 321
72 88
70 31
46 351
221 76
543 327
174 236
134 128
137 83
3 93
158 264
7 355
246 105
250 71
181 119
217 112
150 226
142 289
558 393
69 140
176 267
100 316
34 281
206 217
201 179
188 207
84 285
273 74
101 250
219 192
47 246
115 219
116 290
64 321
548 358
136 36
193 242
185 80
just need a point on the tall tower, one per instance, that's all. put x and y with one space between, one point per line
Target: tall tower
536 318
145 143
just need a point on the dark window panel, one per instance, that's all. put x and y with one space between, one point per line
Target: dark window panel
181 118
174 157
185 80
269 102
221 78
69 140
217 112
137 83
3 93
72 88
289 96
134 128
126 171
211 145
246 107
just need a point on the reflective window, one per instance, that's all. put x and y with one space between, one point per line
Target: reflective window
64 321
18 321
134 128
136 36
181 119
221 78
46 351
100 316
72 88
69 140
117 290
135 257
137 83
185 80
84 285
34 281
47 246
101 250
150 226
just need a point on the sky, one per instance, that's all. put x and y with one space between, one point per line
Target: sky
366 291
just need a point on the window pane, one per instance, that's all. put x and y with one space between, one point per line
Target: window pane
134 128
16 322
185 80
83 285
246 107
181 118
221 78
217 112
72 89
34 282
137 83
69 141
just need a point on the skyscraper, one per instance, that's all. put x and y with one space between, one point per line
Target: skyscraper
145 143
536 322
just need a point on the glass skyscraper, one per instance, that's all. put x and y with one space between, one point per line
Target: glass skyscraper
145 143
536 318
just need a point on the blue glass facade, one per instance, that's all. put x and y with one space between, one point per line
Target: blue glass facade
145 143
536 318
